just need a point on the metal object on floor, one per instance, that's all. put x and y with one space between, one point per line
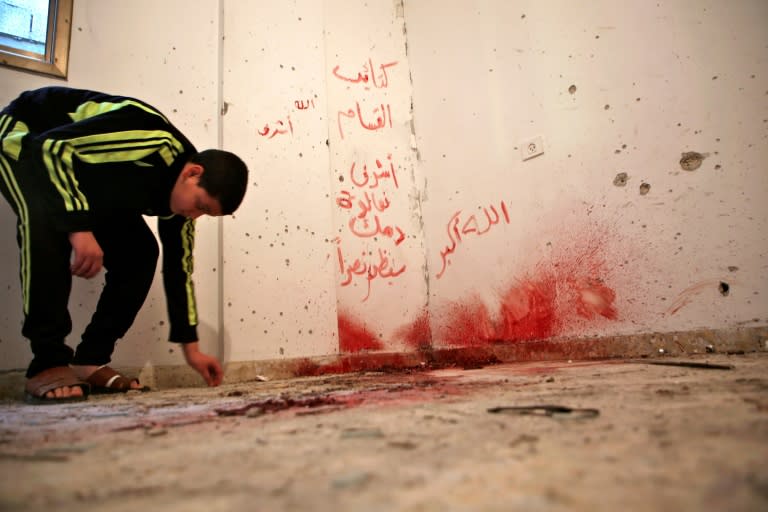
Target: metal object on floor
685 364
552 411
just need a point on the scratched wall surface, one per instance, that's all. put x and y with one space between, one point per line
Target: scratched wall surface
118 47
378 247
279 298
327 249
612 229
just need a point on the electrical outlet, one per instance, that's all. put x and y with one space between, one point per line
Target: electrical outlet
531 147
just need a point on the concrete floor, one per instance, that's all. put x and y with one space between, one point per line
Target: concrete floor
666 438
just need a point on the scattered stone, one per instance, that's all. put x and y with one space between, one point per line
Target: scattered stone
621 179
254 412
403 445
645 188
550 379
523 439
353 479
710 348
362 433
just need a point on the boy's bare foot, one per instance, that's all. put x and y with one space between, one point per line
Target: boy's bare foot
55 385
65 392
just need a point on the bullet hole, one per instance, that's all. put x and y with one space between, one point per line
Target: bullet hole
733 268
691 160
282 351
621 179
341 179
637 99
718 167
522 17
645 188
607 107
724 288
327 142
714 77
572 89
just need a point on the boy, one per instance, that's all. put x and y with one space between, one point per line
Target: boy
80 170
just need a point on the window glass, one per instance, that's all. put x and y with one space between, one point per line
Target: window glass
34 35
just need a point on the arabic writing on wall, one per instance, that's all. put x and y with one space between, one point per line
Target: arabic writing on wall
372 186
369 78
476 225
285 126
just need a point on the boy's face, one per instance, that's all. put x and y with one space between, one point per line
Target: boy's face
188 198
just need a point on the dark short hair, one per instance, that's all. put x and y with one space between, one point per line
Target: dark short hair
225 177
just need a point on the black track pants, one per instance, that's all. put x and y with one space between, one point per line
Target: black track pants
130 258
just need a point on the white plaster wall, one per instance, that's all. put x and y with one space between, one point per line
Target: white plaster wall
279 299
651 80
148 50
290 249
492 247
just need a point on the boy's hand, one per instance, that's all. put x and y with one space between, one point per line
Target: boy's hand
207 366
88 257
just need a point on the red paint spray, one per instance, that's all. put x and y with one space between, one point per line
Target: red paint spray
354 337
566 291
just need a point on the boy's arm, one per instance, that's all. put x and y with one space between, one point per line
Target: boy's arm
177 235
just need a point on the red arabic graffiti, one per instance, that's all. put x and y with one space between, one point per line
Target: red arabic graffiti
285 126
370 229
369 193
382 113
368 75
279 128
385 267
459 226
371 180
367 203
302 105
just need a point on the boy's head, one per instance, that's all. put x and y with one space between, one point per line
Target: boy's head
213 182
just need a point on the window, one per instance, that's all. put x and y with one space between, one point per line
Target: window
34 35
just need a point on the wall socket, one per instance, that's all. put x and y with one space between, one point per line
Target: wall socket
532 147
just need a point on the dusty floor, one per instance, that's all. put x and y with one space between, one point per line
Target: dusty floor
666 438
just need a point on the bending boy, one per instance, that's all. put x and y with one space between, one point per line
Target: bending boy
80 170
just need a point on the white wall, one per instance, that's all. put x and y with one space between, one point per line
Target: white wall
652 80
561 249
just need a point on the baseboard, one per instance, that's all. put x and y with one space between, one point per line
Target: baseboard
731 340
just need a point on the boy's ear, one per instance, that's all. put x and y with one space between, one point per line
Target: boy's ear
191 170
